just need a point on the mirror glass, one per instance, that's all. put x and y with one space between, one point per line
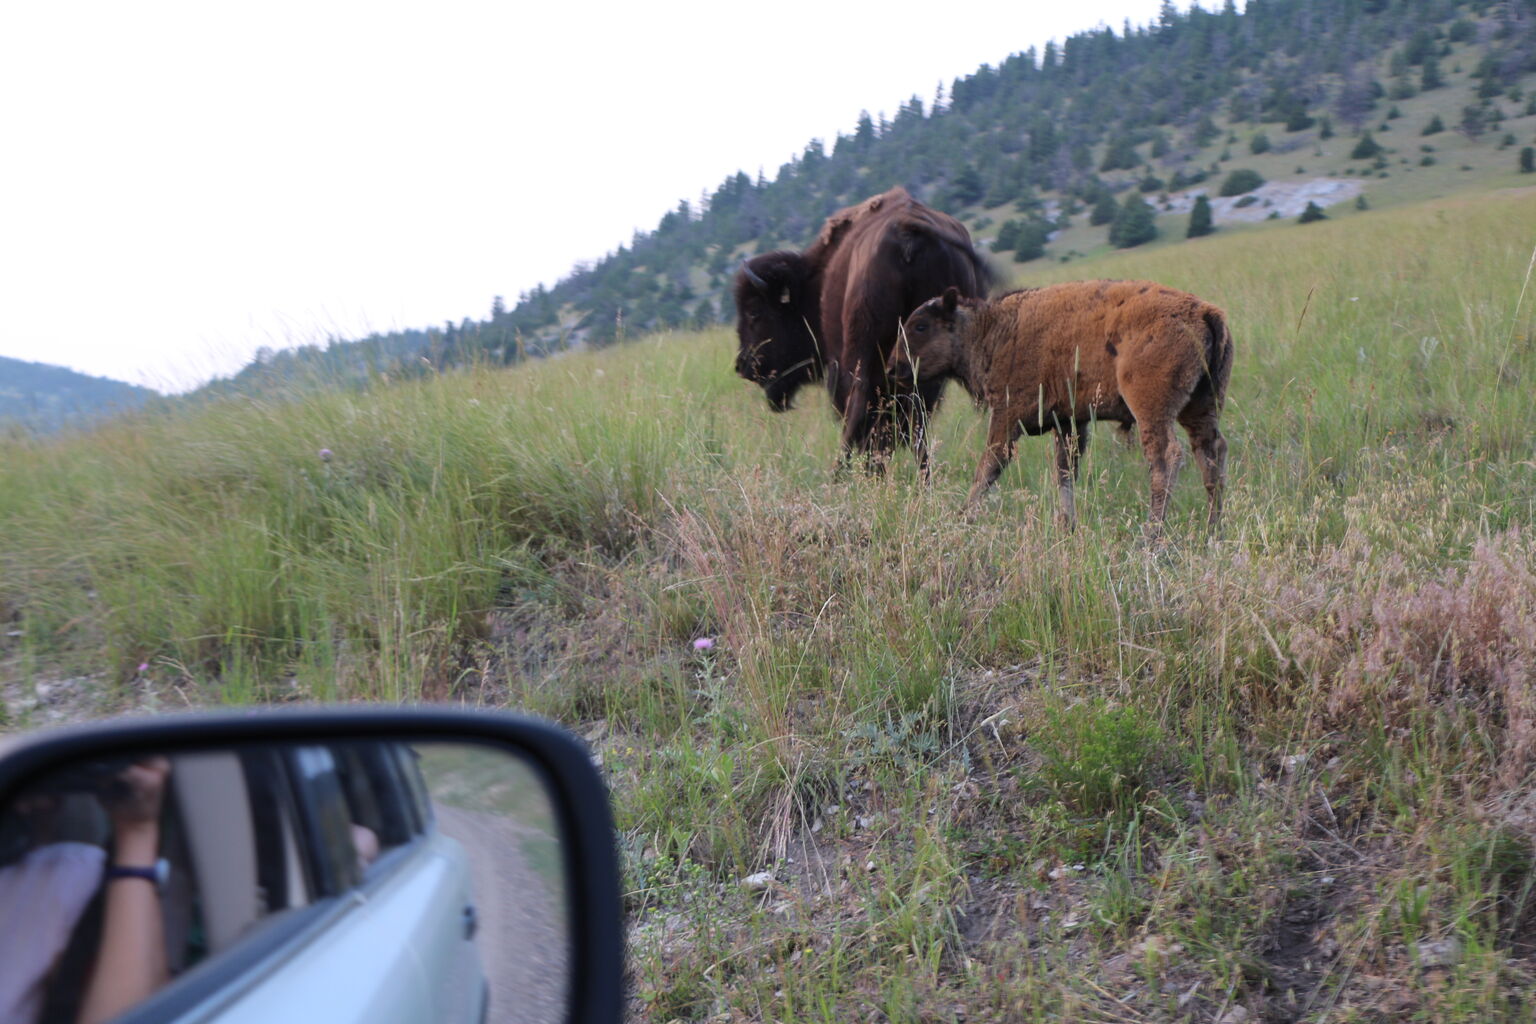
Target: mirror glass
376 879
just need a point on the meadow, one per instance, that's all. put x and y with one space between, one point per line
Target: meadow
994 770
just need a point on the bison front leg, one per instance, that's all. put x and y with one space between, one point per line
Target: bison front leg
880 438
851 401
1071 442
911 424
1002 435
866 425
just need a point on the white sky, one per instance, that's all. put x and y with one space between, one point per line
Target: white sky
182 182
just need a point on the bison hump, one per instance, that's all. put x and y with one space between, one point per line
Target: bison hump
833 229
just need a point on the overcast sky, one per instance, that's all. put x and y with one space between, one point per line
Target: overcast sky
185 182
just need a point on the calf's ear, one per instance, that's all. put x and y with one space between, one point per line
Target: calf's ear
950 300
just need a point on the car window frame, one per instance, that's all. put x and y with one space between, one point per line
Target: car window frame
321 803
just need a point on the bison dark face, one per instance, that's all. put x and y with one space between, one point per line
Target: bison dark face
776 313
925 347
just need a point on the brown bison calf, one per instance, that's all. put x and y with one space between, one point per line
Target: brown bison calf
1060 357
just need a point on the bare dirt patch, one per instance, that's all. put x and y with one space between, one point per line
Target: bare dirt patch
1282 198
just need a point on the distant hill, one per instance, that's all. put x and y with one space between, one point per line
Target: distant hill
45 398
1053 155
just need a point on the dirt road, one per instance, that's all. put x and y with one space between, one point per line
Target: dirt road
522 934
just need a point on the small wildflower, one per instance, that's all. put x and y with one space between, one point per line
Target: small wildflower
703 643
143 667
325 455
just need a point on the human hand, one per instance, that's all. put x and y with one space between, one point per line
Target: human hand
134 807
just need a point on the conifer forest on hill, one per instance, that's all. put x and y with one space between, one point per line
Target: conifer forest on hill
1082 143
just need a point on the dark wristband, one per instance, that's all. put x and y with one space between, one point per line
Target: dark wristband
157 874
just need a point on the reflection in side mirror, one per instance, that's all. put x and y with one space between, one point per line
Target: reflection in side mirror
500 814
384 877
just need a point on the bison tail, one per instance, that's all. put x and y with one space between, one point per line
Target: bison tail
1218 353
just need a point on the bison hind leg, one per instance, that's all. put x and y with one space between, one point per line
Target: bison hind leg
1210 450
1164 455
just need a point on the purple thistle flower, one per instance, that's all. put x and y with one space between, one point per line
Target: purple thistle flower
143 667
703 643
325 455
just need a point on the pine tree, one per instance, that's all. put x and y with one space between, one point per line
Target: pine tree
1528 160
1299 120
1007 236
1200 221
1474 121
1420 48
1104 210
1121 155
864 133
1031 242
1134 224
1366 149
967 187
1435 125
1355 101
1311 213
1487 72
1242 180
1429 77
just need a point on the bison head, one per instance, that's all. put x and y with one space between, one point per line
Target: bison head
776 310
926 345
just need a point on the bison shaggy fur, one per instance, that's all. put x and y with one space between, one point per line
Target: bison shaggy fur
832 311
1060 357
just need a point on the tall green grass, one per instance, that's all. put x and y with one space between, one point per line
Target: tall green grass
993 765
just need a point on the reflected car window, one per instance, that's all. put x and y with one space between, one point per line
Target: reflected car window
259 850
324 818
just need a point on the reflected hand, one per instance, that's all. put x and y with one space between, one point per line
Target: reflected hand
138 800
134 807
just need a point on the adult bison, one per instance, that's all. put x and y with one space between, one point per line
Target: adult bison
833 311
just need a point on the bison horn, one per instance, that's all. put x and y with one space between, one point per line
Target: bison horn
757 282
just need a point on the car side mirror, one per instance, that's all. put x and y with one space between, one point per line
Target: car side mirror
376 864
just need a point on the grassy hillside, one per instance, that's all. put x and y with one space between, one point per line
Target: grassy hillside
997 772
1045 139
1412 168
